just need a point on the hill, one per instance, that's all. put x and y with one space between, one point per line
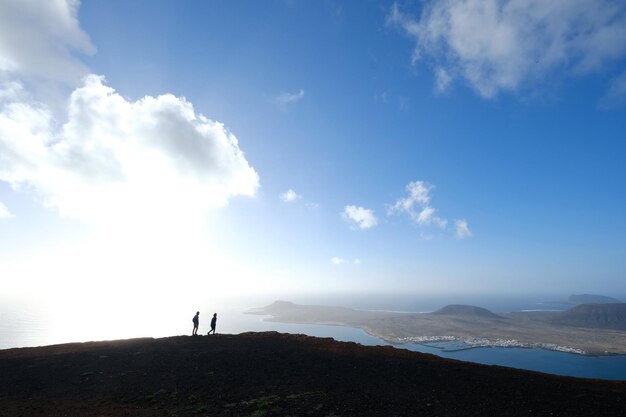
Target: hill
591 299
272 374
601 316
466 310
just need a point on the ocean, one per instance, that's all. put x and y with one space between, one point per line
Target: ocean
23 324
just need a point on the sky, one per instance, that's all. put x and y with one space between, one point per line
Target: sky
157 149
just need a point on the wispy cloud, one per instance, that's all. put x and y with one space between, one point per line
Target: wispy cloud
290 196
4 212
616 93
417 205
462 229
335 260
502 45
284 99
359 217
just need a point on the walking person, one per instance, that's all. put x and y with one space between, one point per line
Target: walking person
213 322
196 322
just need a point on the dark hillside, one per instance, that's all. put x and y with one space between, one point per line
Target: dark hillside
271 374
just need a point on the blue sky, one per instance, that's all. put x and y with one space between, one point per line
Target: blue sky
506 118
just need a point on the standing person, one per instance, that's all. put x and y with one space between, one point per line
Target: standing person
213 322
196 322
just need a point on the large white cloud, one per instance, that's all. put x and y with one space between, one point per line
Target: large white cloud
101 157
501 45
37 39
359 217
115 158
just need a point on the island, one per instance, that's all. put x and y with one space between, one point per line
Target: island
586 329
591 299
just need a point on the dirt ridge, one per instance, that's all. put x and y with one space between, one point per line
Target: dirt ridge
274 374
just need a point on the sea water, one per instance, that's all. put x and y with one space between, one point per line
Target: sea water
27 325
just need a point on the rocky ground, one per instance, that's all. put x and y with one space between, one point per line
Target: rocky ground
272 374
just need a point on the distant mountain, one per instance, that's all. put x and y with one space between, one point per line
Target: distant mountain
602 316
591 299
466 310
280 306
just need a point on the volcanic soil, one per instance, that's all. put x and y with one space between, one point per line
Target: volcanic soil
273 374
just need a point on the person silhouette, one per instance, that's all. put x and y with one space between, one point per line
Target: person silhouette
213 322
196 322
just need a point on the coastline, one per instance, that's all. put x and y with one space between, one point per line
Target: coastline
524 330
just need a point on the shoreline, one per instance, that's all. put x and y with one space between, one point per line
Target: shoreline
469 327
468 344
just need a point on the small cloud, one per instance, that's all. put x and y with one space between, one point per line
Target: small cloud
426 217
443 79
360 217
335 260
4 212
284 98
417 205
357 261
462 229
290 196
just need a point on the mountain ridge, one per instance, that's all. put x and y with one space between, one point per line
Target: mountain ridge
272 374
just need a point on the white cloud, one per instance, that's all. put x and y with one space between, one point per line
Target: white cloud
117 159
357 261
290 196
501 45
335 260
4 212
462 229
417 205
284 98
100 157
442 80
37 39
360 217
427 217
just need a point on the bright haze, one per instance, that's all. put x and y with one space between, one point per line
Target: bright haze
156 153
